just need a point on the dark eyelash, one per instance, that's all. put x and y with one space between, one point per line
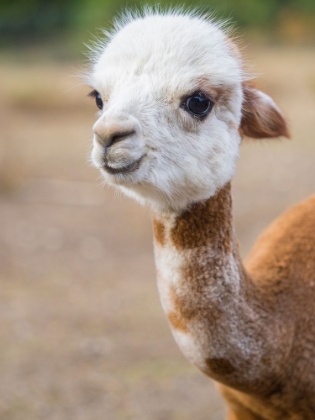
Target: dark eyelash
93 93
197 92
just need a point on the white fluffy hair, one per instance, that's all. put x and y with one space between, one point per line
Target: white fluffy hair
147 65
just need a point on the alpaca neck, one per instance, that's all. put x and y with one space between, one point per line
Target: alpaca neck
213 307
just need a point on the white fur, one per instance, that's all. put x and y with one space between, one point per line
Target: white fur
195 343
142 73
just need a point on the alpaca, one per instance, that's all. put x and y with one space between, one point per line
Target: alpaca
174 104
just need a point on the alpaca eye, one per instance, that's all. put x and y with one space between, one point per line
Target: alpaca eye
198 105
98 100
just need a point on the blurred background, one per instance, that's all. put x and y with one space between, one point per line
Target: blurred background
83 335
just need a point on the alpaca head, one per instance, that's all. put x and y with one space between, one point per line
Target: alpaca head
173 105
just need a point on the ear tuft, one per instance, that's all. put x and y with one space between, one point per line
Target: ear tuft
261 118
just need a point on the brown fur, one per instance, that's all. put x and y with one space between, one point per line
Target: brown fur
177 321
203 221
216 93
260 119
283 264
273 311
220 95
186 312
193 229
159 232
220 366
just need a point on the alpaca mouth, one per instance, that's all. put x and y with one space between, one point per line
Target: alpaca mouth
131 167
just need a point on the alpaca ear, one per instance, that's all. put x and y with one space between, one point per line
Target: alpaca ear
261 118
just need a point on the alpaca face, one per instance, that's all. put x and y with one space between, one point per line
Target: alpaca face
170 92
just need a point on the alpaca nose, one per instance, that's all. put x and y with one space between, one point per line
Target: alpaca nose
110 132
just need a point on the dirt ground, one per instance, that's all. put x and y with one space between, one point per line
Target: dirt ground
83 335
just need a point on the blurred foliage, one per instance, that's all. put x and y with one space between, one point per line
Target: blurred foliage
28 21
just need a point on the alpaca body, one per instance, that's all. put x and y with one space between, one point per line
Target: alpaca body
174 103
225 317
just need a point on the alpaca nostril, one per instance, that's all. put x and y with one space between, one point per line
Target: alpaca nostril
119 136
